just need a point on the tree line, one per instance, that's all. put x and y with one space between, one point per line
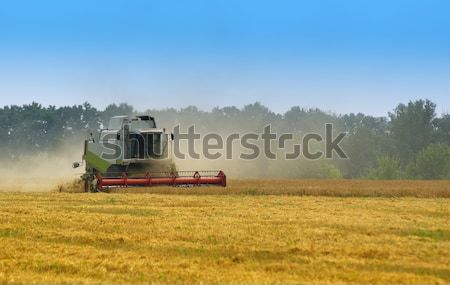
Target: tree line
410 142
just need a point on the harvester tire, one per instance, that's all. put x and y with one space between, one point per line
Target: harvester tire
86 186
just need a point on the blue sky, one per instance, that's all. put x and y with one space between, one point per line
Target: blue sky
342 56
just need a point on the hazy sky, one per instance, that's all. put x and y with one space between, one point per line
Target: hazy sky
343 56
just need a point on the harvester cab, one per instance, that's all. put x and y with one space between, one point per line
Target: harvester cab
132 151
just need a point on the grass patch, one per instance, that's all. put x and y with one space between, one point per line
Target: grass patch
10 233
440 235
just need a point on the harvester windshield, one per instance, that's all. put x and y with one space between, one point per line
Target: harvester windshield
148 145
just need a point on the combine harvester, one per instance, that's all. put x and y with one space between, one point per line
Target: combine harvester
132 151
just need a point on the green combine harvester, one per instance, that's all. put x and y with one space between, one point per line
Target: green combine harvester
132 151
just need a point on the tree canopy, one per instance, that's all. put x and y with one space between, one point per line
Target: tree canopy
410 142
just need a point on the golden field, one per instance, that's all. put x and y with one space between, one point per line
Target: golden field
300 235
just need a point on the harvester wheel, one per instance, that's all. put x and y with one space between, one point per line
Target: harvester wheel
90 182
86 186
90 185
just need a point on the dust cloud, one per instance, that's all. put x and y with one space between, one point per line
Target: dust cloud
41 172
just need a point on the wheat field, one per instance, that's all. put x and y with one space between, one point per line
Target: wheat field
312 187
244 237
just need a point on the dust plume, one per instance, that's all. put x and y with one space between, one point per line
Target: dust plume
42 171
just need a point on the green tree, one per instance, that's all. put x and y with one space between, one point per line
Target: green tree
412 128
362 149
442 126
388 168
115 110
433 162
353 122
